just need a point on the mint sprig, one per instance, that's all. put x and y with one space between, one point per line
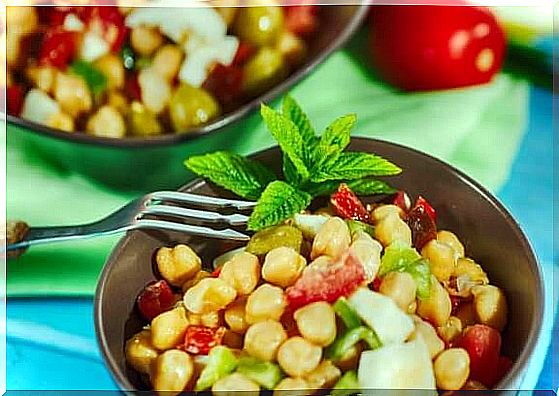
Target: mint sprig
313 166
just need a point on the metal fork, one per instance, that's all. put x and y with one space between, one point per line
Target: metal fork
141 214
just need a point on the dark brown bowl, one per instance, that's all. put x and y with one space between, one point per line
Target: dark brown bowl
489 233
155 163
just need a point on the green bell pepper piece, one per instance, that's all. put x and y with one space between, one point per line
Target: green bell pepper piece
346 313
350 338
347 385
356 225
96 81
221 362
266 374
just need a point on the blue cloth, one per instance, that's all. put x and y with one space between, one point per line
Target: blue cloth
51 343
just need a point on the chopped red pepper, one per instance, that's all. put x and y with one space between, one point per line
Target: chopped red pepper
157 297
59 47
301 19
244 52
483 344
224 82
327 283
199 340
217 271
421 219
14 99
348 205
402 200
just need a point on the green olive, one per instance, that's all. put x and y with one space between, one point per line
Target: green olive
277 236
191 107
265 69
259 25
143 122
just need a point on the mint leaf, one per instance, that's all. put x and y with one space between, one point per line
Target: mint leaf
421 274
278 202
246 178
290 172
334 140
370 187
292 110
288 137
353 166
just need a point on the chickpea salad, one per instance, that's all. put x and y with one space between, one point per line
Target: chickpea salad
117 72
347 297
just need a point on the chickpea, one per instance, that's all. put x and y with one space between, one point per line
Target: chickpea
13 48
324 376
140 353
21 20
42 77
167 61
392 228
62 121
107 122
263 339
118 101
210 319
412 308
299 357
466 267
452 368
317 323
292 47
318 264
235 316
437 307
242 272
155 89
368 251
450 239
282 266
400 287
145 40
172 371
168 328
429 335
441 258
178 264
113 69
73 95
467 314
451 330
233 383
490 306
193 319
195 280
292 387
332 239
210 294
267 302
380 212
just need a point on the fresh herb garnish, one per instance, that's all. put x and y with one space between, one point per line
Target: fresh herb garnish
312 166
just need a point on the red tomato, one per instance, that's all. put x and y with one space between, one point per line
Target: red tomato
326 284
402 200
157 297
421 219
483 345
198 340
348 205
224 82
108 22
301 19
430 47
59 47
14 99
132 87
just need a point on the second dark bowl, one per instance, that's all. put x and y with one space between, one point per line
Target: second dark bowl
489 233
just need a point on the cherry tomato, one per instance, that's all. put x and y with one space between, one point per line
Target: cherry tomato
14 99
326 284
198 340
421 220
58 48
157 297
224 82
348 205
428 47
402 200
301 20
483 344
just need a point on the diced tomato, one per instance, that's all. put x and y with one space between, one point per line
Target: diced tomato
483 345
217 271
224 82
327 283
108 22
157 297
421 219
376 284
199 340
58 48
132 87
14 99
244 52
301 19
402 200
348 205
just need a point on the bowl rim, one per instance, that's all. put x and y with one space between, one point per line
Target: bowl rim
217 125
513 377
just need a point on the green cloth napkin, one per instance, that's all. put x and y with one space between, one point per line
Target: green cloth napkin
476 129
